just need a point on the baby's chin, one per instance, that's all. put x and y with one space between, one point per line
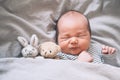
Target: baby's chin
73 52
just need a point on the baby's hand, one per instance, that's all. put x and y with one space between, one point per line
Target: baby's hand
108 50
85 57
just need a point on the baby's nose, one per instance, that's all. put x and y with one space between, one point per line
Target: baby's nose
73 40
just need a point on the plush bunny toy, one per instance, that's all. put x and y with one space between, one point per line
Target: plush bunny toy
29 50
49 49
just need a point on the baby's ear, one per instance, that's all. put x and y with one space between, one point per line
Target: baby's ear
34 40
23 41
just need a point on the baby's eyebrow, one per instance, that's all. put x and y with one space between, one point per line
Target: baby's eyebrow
65 35
82 31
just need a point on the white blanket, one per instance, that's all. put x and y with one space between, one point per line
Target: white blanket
50 69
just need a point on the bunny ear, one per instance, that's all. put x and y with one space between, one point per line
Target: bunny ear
23 41
34 40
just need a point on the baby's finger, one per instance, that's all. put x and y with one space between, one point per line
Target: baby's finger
111 50
105 49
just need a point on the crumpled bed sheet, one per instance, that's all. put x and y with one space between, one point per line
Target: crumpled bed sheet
49 69
27 17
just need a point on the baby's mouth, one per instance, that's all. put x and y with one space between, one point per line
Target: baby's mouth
73 48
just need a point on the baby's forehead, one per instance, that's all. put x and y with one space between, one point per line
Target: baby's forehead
72 14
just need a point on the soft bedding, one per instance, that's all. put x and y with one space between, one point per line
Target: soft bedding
27 17
48 69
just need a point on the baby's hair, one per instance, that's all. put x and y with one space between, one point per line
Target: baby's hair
56 27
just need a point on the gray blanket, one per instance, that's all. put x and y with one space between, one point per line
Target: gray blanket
27 17
49 69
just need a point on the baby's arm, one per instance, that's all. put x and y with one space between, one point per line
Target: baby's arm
108 49
85 57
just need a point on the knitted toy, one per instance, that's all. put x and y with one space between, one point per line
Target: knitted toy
29 50
49 49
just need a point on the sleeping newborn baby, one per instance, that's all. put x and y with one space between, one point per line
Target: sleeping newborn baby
74 38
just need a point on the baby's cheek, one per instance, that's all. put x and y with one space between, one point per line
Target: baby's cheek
84 42
63 45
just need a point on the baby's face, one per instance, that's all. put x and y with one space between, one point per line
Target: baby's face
74 36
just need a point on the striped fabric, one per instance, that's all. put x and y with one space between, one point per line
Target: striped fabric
95 50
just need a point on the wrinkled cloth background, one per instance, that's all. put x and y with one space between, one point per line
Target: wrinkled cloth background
27 17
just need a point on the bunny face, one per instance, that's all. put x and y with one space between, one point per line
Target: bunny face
29 51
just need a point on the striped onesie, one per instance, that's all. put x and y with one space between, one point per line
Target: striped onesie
95 50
